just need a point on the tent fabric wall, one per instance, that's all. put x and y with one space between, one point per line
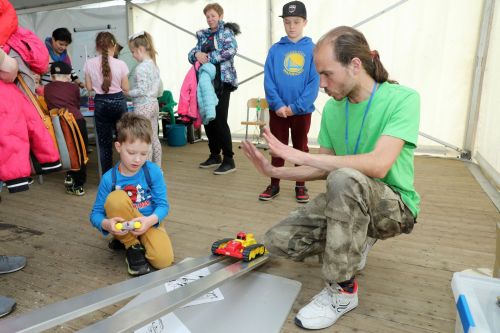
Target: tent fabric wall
487 148
173 45
43 23
423 44
427 45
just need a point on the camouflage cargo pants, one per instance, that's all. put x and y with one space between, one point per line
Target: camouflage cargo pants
337 223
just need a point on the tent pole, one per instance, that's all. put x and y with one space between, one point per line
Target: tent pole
130 17
477 79
385 10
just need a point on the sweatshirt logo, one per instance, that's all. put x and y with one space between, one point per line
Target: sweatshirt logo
294 63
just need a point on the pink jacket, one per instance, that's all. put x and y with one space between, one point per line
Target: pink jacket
22 130
31 49
188 102
8 20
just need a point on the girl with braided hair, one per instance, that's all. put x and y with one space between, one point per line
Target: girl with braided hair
108 78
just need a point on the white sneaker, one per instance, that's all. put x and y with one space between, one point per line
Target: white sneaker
326 307
364 254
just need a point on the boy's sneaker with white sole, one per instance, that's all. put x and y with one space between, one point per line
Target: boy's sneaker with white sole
327 306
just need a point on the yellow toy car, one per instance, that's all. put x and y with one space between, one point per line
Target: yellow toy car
244 246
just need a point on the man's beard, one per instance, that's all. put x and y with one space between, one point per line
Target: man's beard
329 93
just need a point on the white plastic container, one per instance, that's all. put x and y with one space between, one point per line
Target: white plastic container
476 303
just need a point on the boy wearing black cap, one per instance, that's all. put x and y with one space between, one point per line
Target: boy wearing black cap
61 93
291 84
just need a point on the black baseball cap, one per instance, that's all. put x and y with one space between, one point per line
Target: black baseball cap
294 8
60 67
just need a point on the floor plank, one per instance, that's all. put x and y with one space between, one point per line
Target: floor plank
404 288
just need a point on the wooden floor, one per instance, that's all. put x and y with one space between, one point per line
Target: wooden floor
405 286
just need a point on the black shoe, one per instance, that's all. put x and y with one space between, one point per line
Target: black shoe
269 193
68 181
301 194
31 181
227 166
136 260
75 190
115 244
212 161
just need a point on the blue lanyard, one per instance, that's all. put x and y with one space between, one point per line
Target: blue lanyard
362 123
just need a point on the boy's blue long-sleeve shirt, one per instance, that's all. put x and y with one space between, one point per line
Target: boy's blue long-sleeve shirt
147 200
290 77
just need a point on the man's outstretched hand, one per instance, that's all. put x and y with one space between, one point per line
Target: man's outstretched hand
279 149
260 162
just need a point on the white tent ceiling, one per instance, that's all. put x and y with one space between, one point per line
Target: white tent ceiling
29 6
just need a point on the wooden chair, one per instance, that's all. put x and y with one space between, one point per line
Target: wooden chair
259 120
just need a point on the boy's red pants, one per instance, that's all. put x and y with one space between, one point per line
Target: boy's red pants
281 128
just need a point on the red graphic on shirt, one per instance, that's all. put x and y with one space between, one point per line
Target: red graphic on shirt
138 196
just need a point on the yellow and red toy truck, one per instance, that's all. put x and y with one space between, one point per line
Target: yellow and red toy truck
244 246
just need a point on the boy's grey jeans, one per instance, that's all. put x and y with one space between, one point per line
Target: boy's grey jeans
337 223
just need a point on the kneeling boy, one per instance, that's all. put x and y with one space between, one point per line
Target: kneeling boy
134 190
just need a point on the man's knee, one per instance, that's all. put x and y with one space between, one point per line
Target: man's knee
343 179
276 240
292 243
270 239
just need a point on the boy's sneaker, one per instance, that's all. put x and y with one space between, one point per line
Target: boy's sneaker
212 161
136 260
115 244
326 307
31 181
75 190
364 253
227 166
68 181
301 194
270 192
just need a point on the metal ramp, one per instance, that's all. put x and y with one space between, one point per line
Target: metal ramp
58 313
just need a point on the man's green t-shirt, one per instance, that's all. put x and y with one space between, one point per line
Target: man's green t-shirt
394 111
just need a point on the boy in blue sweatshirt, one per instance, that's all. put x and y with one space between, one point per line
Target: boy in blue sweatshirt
291 84
135 191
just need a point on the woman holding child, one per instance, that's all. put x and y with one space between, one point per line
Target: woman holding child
217 45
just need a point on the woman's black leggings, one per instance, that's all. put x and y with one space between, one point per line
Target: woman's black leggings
218 132
108 110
